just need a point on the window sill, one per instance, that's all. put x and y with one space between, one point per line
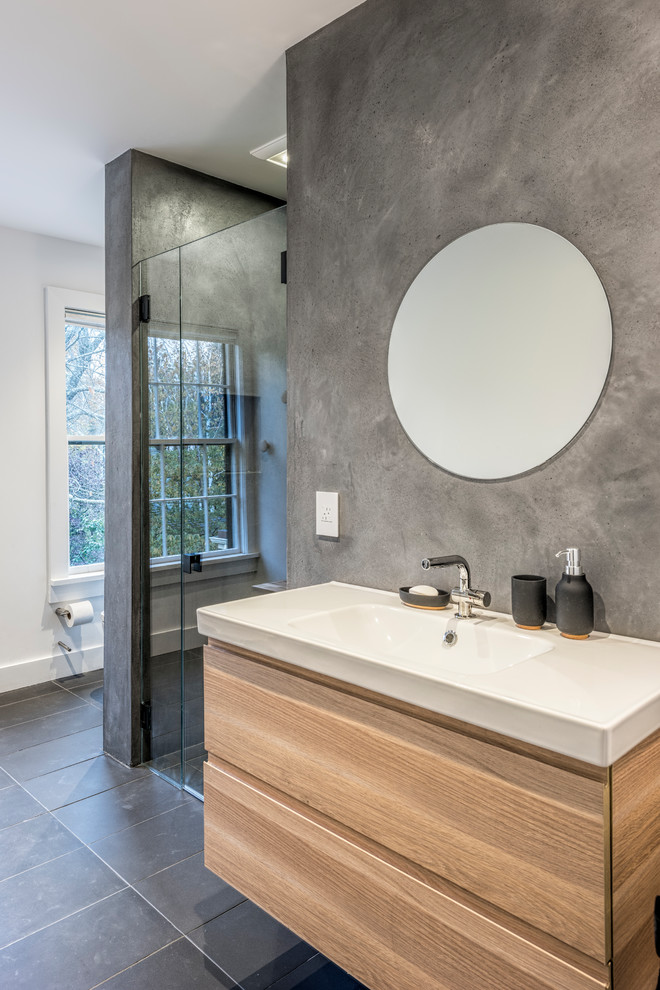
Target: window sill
76 587
213 567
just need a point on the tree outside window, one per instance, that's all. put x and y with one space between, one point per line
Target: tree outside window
84 343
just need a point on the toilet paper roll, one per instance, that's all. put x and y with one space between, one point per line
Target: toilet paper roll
76 613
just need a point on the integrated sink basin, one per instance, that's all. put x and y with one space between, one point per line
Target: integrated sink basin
592 700
413 639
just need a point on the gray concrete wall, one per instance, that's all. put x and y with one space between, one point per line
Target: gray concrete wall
122 506
151 206
412 122
174 205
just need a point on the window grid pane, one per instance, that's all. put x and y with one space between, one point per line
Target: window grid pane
84 349
190 482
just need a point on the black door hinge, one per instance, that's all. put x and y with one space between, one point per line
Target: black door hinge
145 716
191 562
145 308
283 267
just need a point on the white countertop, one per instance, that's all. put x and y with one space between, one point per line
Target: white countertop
593 700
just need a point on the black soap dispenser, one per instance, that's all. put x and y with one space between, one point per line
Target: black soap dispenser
574 598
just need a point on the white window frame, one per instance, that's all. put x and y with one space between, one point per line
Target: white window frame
65 581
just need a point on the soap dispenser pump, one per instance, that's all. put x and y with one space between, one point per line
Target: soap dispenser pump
574 598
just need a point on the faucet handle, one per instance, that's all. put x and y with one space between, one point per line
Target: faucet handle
481 599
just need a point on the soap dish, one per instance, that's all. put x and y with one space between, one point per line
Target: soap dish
431 602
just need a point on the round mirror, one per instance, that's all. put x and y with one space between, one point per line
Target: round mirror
500 350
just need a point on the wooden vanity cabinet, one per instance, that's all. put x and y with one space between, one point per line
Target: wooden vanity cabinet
420 853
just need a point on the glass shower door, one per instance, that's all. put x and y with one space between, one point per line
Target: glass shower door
233 347
161 591
214 463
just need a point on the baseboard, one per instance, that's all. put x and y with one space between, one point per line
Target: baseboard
25 673
169 640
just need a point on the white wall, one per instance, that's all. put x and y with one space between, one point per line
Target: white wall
29 628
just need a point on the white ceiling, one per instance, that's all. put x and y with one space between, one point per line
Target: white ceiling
199 82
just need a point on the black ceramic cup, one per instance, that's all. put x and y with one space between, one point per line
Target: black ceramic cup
528 600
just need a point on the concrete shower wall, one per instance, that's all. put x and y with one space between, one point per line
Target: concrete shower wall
412 122
151 206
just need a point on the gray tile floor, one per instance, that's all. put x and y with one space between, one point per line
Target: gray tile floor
170 685
102 880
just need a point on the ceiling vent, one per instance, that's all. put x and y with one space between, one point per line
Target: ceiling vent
273 151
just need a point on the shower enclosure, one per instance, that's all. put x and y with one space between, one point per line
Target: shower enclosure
213 413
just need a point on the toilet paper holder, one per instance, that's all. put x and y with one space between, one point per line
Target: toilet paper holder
75 613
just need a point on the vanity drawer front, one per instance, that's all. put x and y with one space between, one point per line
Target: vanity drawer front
522 835
389 929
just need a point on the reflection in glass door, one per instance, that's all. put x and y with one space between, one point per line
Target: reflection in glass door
211 506
214 462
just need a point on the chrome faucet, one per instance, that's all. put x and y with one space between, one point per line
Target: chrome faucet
464 597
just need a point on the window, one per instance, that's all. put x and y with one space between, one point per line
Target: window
84 349
75 339
194 484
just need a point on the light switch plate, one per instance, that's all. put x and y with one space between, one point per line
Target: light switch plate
327 513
